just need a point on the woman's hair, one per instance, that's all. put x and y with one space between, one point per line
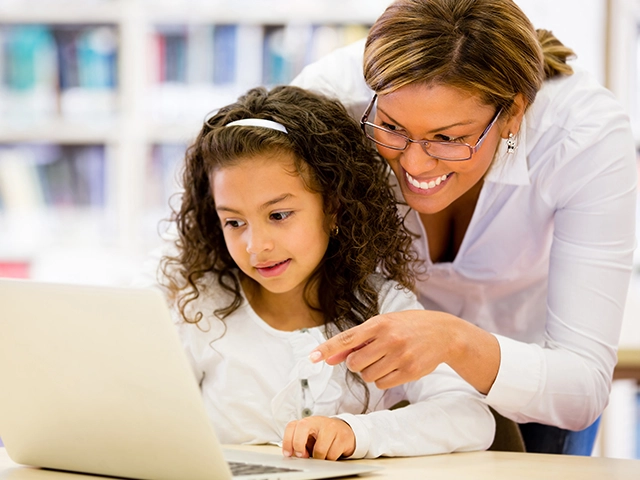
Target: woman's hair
486 47
334 159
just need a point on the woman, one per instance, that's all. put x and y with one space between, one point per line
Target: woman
520 180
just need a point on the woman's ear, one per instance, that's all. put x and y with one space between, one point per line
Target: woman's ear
514 118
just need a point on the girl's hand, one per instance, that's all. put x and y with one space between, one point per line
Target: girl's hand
400 347
323 438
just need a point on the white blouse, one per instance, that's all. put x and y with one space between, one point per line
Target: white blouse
546 261
256 379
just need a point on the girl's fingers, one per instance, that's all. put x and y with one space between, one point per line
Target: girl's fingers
300 439
336 450
287 439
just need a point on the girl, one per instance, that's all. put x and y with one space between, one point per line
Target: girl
287 234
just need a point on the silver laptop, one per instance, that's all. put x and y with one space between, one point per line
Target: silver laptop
94 380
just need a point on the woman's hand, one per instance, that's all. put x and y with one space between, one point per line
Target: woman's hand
323 438
400 347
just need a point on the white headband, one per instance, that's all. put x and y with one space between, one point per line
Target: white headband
258 122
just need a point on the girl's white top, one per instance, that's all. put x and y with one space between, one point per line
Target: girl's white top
546 261
256 379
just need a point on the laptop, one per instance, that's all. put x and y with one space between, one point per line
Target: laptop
94 380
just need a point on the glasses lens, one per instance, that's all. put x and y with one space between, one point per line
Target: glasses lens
440 150
448 151
385 137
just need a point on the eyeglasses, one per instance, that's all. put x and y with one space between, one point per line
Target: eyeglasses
449 151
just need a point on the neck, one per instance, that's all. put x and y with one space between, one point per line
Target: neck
283 311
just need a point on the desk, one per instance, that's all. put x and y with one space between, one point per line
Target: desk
472 466
628 364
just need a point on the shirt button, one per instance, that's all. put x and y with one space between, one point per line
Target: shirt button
306 412
304 382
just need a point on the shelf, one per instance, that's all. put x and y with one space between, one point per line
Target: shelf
212 11
61 131
61 12
161 66
279 12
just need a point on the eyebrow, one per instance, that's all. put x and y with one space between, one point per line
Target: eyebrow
469 122
265 205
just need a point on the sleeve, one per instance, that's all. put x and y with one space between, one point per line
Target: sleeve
339 75
592 188
445 413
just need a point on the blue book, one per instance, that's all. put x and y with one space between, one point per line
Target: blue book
224 54
31 57
276 67
89 174
97 57
66 38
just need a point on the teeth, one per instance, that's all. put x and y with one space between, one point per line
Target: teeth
425 185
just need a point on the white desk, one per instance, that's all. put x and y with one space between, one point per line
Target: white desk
472 466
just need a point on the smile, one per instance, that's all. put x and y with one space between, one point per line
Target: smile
273 269
426 185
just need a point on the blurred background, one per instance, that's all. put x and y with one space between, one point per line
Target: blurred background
100 98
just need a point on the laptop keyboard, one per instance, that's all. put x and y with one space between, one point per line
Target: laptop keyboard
239 469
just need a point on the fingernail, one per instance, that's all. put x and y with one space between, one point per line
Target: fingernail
299 454
315 356
286 453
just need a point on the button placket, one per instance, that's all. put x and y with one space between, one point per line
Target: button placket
307 401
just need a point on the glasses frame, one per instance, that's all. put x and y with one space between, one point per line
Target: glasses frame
364 121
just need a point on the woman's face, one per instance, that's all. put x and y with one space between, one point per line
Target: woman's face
437 113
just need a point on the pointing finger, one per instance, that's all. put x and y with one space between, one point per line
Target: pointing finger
339 347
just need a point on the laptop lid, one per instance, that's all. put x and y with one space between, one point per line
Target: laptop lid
94 379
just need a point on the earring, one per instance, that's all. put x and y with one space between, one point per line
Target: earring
334 231
511 144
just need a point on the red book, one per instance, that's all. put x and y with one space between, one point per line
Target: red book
14 269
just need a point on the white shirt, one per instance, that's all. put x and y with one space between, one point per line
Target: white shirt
546 260
256 379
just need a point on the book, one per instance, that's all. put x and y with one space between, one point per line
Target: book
225 54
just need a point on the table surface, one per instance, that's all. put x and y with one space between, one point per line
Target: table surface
474 465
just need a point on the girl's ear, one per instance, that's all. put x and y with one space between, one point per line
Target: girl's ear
331 220
512 125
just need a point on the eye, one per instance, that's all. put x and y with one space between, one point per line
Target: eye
280 216
231 223
390 126
447 138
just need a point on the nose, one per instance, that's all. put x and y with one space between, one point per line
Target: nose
416 161
258 241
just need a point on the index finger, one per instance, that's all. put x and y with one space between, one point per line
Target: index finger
337 348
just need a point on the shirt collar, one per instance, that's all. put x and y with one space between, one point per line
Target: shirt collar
511 168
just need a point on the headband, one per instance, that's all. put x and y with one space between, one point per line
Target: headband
258 122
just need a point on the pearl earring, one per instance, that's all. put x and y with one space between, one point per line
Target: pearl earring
511 144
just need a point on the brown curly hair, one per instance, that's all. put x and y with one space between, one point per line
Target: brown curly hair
334 158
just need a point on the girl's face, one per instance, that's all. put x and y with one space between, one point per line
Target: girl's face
438 113
274 227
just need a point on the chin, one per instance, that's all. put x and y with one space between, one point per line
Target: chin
423 204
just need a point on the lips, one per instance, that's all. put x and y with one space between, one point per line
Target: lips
273 269
428 186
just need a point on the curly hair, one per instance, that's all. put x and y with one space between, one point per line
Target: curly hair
335 160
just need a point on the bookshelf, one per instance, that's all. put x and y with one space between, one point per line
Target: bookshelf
99 99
